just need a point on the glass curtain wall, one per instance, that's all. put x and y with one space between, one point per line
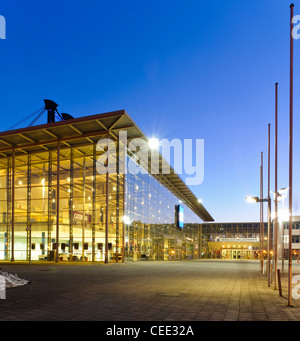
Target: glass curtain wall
82 207
151 231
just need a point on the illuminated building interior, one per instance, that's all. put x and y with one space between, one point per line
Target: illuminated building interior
56 206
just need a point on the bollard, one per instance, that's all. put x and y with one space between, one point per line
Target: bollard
279 282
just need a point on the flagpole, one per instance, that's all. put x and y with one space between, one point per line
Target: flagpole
291 159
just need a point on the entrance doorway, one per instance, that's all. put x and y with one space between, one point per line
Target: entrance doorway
236 254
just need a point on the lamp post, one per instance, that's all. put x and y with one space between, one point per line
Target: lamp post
282 218
291 156
268 200
276 183
269 210
262 225
277 199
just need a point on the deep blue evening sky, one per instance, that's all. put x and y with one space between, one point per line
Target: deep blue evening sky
181 69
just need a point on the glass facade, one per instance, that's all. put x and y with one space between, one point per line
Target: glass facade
232 240
56 200
152 232
81 196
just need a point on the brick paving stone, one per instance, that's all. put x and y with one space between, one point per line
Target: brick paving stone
199 290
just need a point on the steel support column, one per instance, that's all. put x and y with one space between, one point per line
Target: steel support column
57 202
94 204
50 205
107 204
118 203
8 213
28 227
13 208
83 208
71 204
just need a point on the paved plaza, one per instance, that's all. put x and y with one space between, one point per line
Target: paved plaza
200 290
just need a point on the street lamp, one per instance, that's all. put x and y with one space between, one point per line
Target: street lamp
153 143
253 199
279 196
268 200
126 220
256 199
283 216
283 192
153 154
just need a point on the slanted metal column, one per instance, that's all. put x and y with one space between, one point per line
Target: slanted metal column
71 204
13 208
28 228
94 204
50 204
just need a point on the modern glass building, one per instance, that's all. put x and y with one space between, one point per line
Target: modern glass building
56 205
283 238
234 240
246 240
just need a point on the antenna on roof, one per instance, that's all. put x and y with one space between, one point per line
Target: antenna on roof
51 108
66 117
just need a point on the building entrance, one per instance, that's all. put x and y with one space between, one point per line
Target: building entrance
236 254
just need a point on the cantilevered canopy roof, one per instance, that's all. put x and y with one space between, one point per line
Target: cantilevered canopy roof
81 133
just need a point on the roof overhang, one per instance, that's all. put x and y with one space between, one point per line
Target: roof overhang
84 131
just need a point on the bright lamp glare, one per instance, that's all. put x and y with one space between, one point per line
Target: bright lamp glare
284 215
251 199
283 190
153 143
126 220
